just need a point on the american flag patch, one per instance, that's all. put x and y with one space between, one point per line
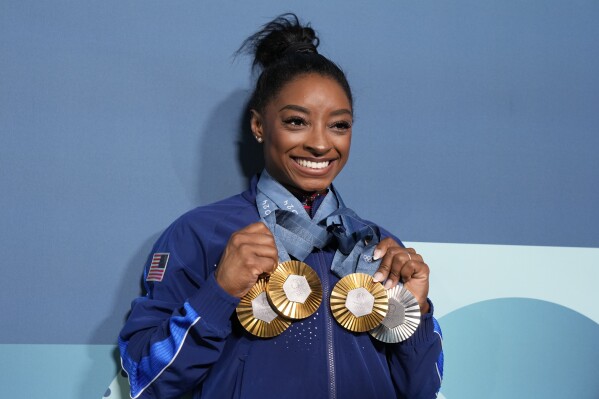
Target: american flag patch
157 267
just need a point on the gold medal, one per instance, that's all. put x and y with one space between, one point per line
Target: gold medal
358 303
401 320
294 290
257 316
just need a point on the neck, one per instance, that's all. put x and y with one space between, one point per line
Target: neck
308 199
301 194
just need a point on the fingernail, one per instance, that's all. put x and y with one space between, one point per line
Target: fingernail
377 254
388 284
378 277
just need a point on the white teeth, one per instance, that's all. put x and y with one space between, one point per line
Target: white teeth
313 165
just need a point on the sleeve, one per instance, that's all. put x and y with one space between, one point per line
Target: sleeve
417 363
177 331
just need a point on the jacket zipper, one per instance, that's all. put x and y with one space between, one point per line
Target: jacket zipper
329 327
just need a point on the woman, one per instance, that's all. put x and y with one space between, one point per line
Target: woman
184 334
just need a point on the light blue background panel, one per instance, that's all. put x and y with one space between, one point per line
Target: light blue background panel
476 137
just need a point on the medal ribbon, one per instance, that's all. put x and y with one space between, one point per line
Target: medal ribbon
297 235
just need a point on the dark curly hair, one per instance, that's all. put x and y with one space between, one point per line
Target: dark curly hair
285 49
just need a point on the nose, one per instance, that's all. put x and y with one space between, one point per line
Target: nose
318 142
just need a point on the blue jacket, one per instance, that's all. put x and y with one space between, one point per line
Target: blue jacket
183 335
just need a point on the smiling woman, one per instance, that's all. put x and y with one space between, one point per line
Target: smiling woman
306 131
253 296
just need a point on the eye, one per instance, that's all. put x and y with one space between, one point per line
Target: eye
295 121
341 126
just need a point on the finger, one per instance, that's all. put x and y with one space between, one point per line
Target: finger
392 279
257 233
408 270
264 266
261 251
393 259
422 271
257 262
240 239
413 271
381 249
410 253
398 260
413 254
258 227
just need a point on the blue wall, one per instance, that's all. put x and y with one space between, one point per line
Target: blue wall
476 140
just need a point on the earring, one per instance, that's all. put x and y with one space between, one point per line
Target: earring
258 139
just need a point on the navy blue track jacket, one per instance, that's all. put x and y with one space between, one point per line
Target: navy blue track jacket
183 335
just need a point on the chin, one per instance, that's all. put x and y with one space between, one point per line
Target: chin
299 182
310 186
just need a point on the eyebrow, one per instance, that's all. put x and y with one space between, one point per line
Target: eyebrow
304 110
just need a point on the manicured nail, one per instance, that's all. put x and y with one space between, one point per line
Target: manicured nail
377 254
378 277
388 284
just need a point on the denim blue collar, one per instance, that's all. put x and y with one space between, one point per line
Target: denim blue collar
296 234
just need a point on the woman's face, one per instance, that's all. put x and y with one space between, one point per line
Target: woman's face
306 130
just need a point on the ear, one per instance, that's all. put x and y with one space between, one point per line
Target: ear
256 125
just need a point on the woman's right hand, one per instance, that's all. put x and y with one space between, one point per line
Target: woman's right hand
249 253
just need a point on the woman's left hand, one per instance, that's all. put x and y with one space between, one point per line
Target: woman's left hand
405 264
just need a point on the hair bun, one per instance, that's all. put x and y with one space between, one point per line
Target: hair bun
286 49
279 38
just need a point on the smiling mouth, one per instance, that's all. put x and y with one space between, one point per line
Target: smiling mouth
311 164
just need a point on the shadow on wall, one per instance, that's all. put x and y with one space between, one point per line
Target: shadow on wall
111 326
229 154
228 157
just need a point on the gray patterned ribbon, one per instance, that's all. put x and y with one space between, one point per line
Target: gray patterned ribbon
296 234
